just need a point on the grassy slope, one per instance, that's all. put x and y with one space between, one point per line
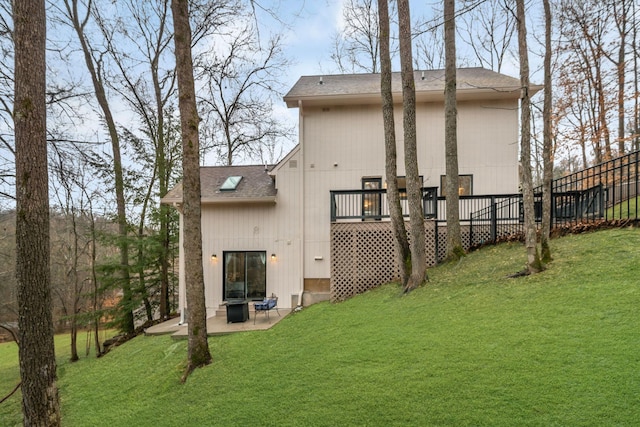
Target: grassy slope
626 209
471 348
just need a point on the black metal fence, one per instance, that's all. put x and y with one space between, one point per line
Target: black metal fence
606 191
613 184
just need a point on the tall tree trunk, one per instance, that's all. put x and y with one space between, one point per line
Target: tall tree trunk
142 262
620 17
126 323
94 279
75 306
621 92
391 167
40 401
74 337
533 259
198 347
414 186
547 173
163 184
636 85
454 239
603 125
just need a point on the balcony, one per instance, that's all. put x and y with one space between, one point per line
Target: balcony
373 205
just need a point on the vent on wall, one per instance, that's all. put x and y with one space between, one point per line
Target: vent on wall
293 164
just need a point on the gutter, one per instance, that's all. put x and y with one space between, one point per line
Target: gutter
239 200
302 193
177 203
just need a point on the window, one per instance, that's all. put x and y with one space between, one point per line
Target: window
402 186
465 185
231 183
371 202
245 275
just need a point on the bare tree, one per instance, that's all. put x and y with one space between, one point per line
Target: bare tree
547 145
73 234
454 248
430 46
574 104
636 85
488 29
8 306
7 152
69 247
584 30
40 401
240 79
356 46
533 259
597 74
146 81
620 9
391 161
198 347
94 62
414 190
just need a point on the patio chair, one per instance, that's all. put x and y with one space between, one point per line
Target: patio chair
265 306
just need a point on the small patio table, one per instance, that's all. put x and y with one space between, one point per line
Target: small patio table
237 310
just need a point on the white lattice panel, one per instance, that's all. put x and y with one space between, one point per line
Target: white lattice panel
363 256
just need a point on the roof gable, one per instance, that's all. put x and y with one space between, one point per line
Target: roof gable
472 83
256 185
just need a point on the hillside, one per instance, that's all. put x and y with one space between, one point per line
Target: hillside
473 347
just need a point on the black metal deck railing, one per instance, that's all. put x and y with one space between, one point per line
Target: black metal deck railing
606 191
373 204
615 184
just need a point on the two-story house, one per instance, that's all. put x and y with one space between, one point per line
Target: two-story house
273 229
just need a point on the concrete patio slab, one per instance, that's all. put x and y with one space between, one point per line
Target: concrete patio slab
217 325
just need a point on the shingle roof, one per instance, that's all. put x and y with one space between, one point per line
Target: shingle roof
476 82
256 185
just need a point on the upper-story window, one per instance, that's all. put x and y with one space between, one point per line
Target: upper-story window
465 185
402 186
371 203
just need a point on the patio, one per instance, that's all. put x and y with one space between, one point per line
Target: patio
217 325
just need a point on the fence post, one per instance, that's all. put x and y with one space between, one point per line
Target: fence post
552 207
494 220
436 236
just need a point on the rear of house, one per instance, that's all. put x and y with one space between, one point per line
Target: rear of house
272 232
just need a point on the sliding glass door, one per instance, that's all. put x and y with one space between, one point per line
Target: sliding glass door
245 275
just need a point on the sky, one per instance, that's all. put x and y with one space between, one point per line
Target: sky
309 27
308 41
313 25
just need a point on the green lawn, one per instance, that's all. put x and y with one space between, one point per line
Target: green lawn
471 348
626 209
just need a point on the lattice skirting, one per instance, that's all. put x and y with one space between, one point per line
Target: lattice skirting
363 254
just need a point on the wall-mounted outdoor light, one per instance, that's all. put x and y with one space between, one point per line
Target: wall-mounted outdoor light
273 257
214 257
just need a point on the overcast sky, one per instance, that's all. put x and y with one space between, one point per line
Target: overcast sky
313 23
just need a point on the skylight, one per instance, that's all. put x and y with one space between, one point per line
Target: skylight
230 183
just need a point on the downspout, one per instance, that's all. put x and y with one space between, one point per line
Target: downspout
302 192
181 284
